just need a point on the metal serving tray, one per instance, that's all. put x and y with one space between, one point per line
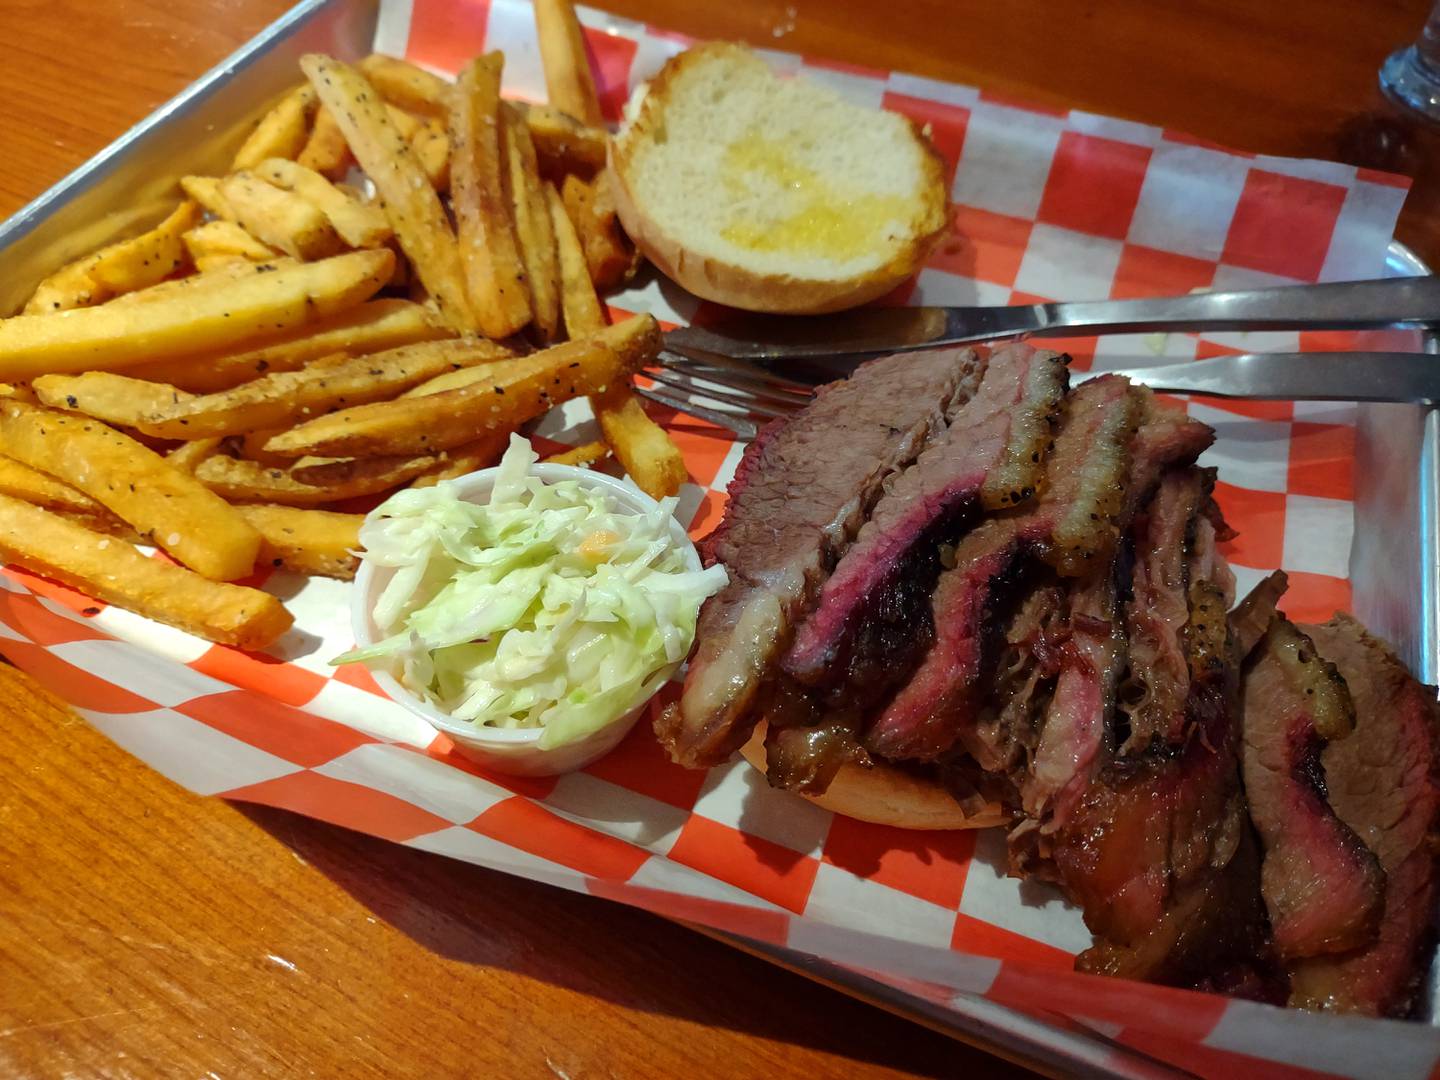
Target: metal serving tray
130 185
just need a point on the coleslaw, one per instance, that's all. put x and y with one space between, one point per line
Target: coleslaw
546 607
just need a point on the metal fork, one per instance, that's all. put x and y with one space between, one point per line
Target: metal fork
730 375
742 395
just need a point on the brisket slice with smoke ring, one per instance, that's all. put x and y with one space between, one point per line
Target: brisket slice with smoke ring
1384 782
991 454
1084 473
798 498
1321 885
1153 694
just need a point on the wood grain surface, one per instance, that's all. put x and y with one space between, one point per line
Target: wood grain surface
148 932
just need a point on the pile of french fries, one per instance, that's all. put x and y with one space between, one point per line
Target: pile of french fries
396 273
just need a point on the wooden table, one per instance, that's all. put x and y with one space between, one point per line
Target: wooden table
144 931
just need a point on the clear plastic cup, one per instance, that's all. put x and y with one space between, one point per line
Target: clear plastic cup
516 751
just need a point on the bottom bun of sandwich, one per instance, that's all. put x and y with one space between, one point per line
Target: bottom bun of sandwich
888 794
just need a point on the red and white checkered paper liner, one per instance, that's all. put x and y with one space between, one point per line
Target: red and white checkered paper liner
1048 204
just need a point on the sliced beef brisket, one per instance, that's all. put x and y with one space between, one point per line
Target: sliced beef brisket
801 493
1384 782
1321 885
990 455
1082 478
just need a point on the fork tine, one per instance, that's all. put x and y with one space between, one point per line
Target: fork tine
746 429
736 381
729 395
762 375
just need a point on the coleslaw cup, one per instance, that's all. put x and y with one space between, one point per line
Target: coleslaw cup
516 751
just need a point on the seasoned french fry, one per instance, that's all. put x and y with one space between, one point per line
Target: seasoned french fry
649 455
252 448
112 570
406 86
306 541
281 133
431 144
564 144
466 458
326 151
359 225
494 271
329 383
585 454
453 380
102 521
119 268
224 238
109 337
642 446
569 84
205 190
608 251
189 454
280 218
523 389
367 328
16 393
209 264
116 399
211 281
578 302
407 125
247 481
533 230
20 481
136 484
414 210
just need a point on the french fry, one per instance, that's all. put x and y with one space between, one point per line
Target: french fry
209 264
280 218
533 230
466 458
414 210
189 454
205 190
564 144
608 251
642 446
431 144
523 389
453 380
136 484
306 541
20 481
114 571
578 302
116 399
212 281
406 124
109 337
494 271
16 393
406 86
326 151
585 454
281 133
119 268
280 398
102 522
568 82
252 448
224 238
359 225
367 328
239 480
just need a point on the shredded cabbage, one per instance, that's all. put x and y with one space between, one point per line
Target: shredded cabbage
546 607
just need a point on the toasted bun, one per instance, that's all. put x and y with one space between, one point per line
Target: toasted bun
773 195
887 795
